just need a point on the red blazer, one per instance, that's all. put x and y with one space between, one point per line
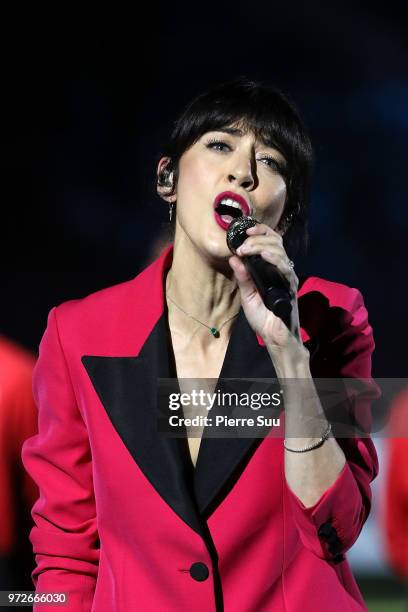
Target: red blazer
123 522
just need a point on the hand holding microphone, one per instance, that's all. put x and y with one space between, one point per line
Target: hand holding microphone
273 287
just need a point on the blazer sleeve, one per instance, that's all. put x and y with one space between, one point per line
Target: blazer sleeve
331 526
64 538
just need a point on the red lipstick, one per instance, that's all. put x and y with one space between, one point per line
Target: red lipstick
224 220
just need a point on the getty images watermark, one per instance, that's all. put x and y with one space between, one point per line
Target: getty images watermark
256 407
223 408
200 401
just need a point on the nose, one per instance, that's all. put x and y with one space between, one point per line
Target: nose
242 172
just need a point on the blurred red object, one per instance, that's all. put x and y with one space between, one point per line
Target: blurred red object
396 498
18 421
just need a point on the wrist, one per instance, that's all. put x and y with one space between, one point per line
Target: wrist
290 363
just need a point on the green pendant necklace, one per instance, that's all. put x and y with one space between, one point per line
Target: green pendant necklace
213 330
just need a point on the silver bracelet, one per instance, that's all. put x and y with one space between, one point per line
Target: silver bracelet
310 446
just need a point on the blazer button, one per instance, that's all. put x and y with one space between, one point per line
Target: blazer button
329 534
199 571
326 530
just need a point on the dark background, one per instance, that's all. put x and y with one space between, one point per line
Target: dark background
90 98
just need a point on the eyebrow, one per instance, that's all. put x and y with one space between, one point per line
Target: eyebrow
231 131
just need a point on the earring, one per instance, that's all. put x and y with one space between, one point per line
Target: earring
171 208
286 221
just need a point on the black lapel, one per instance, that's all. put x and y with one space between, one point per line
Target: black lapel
221 460
127 388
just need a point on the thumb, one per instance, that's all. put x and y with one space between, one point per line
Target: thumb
245 282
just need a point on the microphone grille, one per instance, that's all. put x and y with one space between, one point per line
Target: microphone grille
236 232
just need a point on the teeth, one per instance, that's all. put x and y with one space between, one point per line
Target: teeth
230 202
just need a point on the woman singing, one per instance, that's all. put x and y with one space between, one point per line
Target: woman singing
131 519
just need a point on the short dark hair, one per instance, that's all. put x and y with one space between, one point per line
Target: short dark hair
274 119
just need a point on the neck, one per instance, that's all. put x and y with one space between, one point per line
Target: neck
202 288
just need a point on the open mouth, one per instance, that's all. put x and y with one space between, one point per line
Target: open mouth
229 206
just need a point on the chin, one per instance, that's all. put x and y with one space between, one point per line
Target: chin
217 253
211 243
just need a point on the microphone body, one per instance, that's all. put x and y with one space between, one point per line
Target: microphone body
273 287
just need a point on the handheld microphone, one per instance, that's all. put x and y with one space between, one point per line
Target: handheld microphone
273 287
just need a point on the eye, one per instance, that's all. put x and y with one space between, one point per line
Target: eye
272 163
218 145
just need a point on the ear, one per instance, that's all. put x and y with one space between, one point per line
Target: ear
285 221
165 178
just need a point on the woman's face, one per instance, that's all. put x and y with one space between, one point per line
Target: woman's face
222 171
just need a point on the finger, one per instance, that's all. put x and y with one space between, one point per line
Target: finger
255 244
261 243
239 268
284 267
244 279
262 228
272 253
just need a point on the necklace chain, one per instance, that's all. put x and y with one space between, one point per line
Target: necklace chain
214 331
